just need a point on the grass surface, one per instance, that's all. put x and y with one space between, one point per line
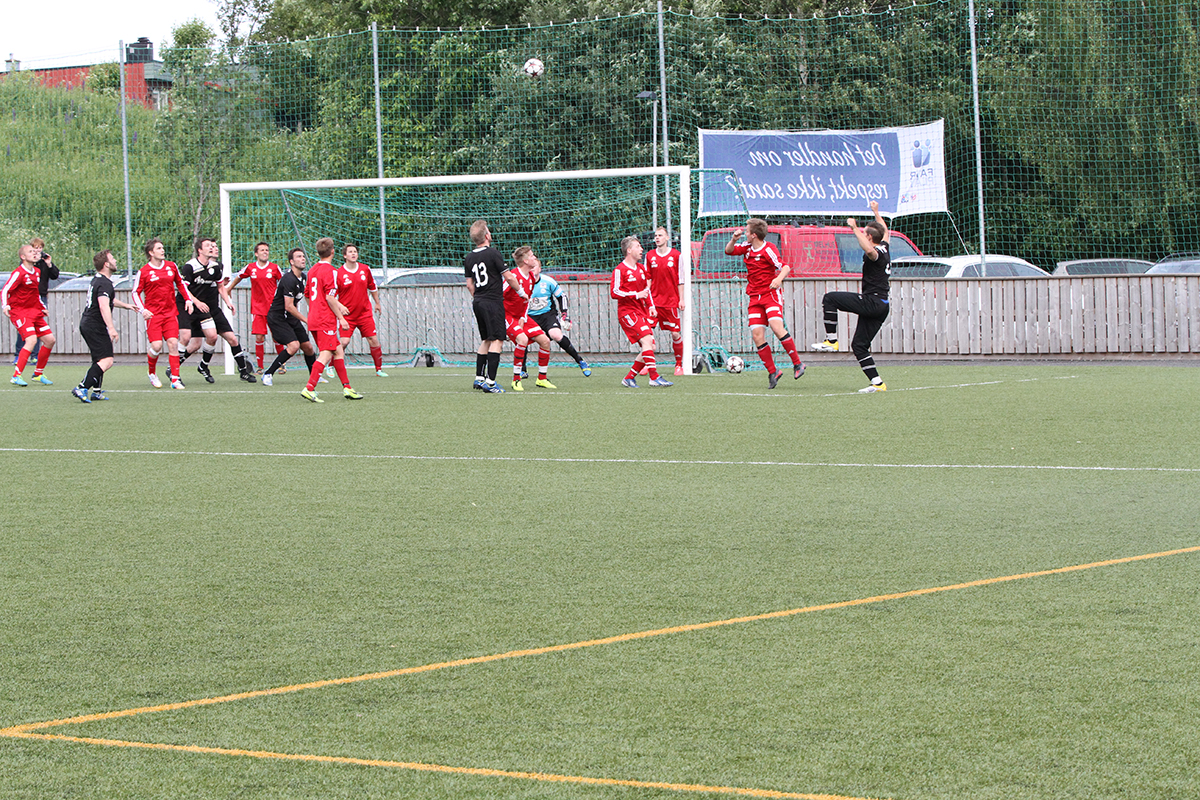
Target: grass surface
166 547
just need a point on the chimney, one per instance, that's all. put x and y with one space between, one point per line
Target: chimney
139 52
12 64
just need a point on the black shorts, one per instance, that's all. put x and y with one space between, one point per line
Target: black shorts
196 322
490 317
547 321
287 330
98 341
185 319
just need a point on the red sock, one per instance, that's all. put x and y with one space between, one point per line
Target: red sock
22 360
174 361
377 357
543 362
518 360
339 366
764 352
677 346
789 344
153 362
258 353
43 357
651 364
315 375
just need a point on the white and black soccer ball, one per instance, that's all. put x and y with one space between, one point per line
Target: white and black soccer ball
735 364
534 68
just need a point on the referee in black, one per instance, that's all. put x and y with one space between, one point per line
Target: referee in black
97 329
287 325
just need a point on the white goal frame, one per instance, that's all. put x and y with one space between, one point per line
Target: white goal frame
683 173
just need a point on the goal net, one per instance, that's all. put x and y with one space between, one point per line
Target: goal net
574 221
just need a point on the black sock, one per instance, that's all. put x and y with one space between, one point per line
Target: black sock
493 366
93 377
310 359
481 366
569 349
280 359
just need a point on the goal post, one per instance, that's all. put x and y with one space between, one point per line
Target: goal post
572 218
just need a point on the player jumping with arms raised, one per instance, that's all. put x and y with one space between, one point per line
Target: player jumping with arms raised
871 306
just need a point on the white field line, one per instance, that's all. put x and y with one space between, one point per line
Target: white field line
565 460
295 389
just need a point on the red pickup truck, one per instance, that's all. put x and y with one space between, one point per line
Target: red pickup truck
812 251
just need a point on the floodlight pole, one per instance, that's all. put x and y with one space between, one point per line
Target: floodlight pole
379 151
978 144
125 158
662 80
652 97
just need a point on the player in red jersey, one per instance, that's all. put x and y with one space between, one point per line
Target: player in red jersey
662 264
635 311
520 328
765 272
356 289
154 291
326 320
23 305
264 275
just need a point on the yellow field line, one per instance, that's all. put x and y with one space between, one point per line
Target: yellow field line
559 648
491 773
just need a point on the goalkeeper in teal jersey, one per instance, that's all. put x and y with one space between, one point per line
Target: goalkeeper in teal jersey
548 308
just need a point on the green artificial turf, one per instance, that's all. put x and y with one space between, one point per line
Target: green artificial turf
169 546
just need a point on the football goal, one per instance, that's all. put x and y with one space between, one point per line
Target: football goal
574 220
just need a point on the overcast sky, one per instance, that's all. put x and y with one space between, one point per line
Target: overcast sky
61 33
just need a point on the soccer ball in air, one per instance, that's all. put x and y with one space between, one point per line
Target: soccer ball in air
735 364
534 68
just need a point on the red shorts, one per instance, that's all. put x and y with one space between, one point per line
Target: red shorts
668 319
364 323
523 325
162 326
30 322
327 339
637 326
765 307
258 326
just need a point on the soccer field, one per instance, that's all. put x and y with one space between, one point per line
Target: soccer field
980 584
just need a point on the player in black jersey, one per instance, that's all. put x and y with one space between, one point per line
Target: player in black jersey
871 306
205 277
486 275
96 327
288 326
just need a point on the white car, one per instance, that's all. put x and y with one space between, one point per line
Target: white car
997 266
1102 266
428 276
1177 264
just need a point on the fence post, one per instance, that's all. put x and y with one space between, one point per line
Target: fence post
978 144
379 150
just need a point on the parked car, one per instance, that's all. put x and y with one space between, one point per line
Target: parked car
968 266
82 283
1102 266
1176 264
810 250
427 276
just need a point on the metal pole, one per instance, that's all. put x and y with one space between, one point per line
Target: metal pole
379 150
125 157
654 158
978 143
662 81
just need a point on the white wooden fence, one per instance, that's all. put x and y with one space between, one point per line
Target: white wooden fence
1106 314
